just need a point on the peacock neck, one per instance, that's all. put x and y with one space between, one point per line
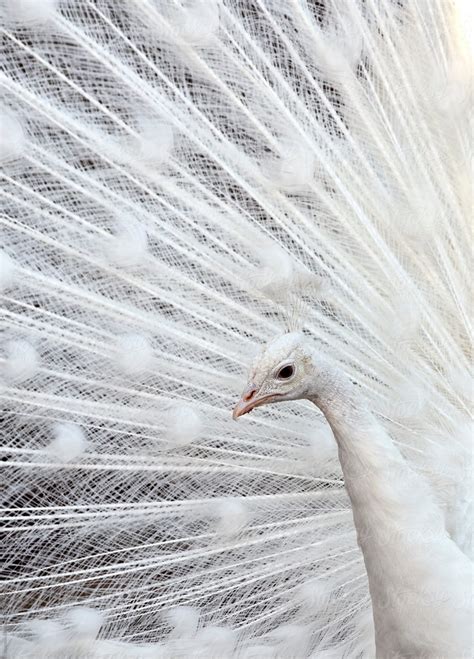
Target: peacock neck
372 465
381 485
393 509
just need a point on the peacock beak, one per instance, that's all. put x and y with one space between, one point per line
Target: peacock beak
249 400
246 403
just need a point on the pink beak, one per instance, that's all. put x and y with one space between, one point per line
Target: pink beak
246 403
249 400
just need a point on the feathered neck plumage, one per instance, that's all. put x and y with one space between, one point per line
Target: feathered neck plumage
400 527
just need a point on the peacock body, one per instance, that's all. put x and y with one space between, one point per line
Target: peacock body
177 177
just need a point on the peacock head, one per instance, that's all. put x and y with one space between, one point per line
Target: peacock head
281 372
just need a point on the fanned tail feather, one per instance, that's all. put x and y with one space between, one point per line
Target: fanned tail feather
174 176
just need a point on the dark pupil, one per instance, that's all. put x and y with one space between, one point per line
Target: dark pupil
285 373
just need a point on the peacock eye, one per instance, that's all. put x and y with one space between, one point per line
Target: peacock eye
285 372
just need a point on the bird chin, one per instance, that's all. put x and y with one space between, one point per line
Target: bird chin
244 407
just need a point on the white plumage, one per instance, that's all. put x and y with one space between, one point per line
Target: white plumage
20 363
69 442
177 178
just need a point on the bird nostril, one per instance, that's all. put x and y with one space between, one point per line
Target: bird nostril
250 393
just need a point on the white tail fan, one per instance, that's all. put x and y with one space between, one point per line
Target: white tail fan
179 180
